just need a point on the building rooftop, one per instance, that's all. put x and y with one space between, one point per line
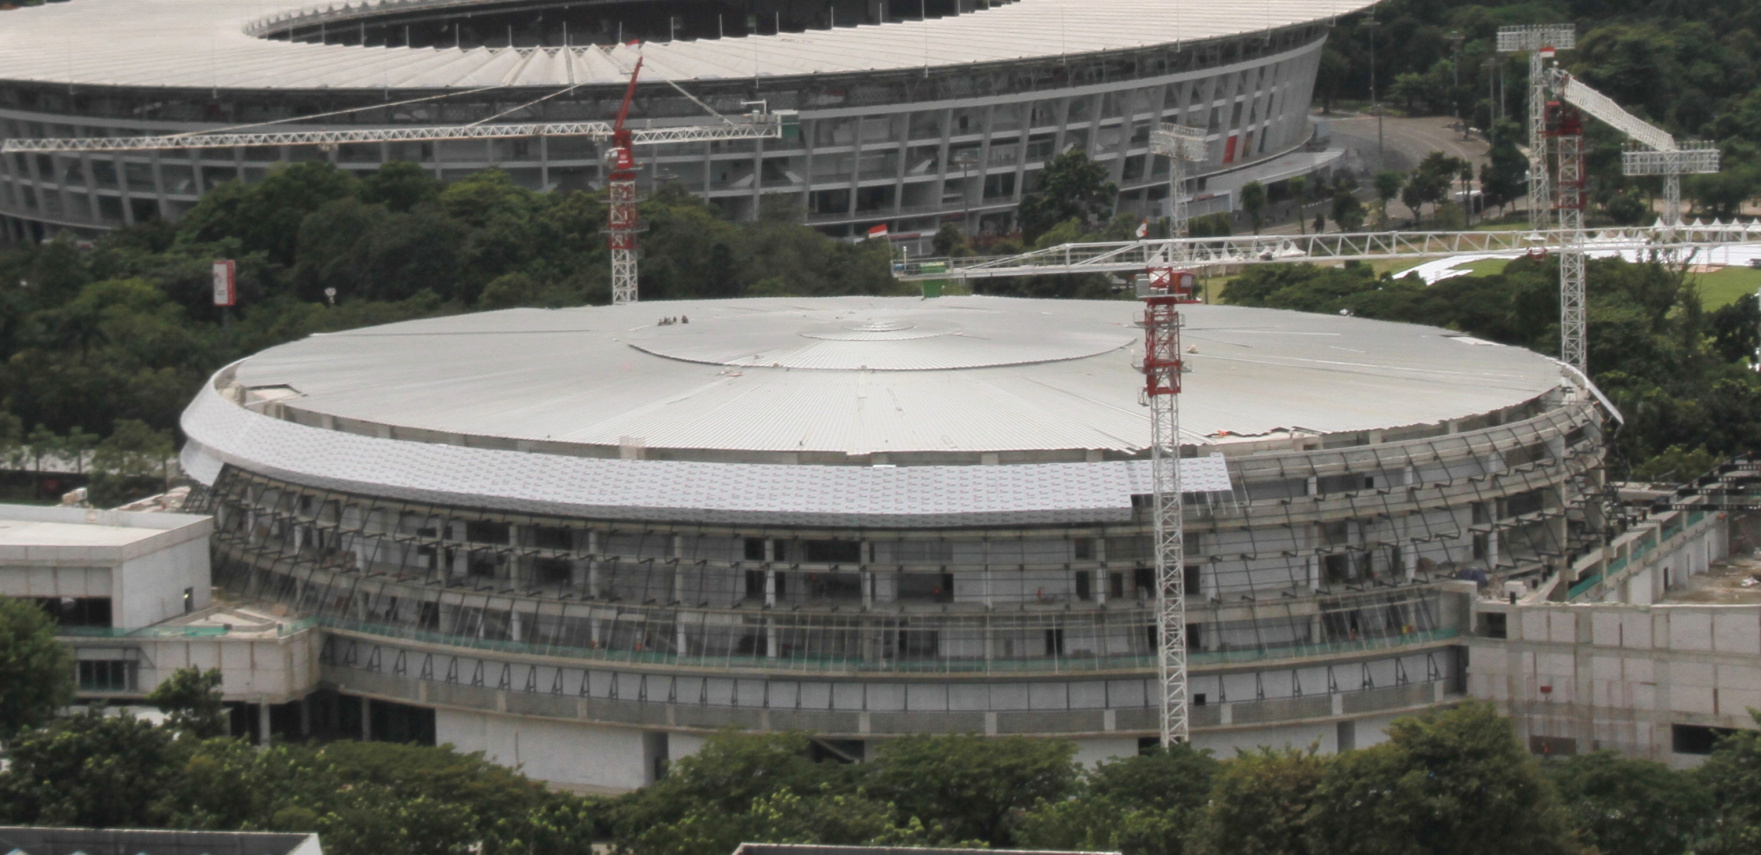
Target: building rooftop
31 840
30 533
856 410
206 44
861 376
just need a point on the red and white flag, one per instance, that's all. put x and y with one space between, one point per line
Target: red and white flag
879 231
1143 229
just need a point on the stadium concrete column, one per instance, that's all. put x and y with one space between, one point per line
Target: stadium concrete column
578 569
593 562
770 596
679 587
263 722
1104 576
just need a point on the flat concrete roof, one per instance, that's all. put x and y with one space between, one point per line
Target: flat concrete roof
34 534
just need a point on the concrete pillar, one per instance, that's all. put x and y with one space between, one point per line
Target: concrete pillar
679 567
306 717
770 597
366 720
593 550
461 558
1103 574
519 573
263 723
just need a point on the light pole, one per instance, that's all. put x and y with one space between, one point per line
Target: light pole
1455 84
1375 106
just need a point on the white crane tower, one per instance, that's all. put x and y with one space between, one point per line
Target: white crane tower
1539 41
620 161
1650 151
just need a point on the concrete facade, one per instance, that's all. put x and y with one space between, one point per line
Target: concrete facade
1620 667
912 149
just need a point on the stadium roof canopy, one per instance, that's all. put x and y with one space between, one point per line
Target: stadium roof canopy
208 44
818 411
861 375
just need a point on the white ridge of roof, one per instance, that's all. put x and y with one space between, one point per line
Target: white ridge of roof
204 44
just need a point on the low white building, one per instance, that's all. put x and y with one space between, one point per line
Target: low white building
132 593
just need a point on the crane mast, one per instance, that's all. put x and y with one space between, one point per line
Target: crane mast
1565 128
1165 289
620 167
620 160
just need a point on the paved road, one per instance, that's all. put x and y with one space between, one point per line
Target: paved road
1405 141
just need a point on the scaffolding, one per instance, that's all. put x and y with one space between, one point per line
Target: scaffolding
1320 552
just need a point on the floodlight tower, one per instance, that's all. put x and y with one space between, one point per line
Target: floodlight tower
1163 291
1181 144
1539 41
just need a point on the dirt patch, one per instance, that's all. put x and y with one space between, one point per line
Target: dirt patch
1734 581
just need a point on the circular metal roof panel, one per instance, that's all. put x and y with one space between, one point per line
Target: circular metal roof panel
822 380
889 338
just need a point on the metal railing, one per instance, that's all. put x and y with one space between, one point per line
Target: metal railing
892 665
1124 256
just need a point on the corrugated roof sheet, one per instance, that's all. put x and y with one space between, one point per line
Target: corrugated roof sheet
221 432
1044 375
204 44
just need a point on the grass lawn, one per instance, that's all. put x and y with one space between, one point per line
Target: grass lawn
1725 286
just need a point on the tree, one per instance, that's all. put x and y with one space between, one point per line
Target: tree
1721 195
1070 186
970 787
1625 806
1348 212
1448 782
951 242
1260 805
36 672
1731 777
1389 183
400 186
723 777
91 770
131 454
1737 329
79 443
1504 176
1140 805
1253 201
192 699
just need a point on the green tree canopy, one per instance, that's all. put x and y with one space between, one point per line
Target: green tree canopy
36 671
191 698
971 787
1071 186
1253 201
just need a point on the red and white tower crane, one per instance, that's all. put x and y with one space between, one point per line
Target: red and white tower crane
620 159
620 184
1163 292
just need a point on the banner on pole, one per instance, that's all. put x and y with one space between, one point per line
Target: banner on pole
225 283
